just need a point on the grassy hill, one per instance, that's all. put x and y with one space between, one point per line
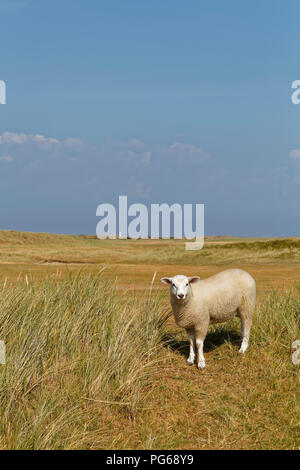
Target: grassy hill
28 247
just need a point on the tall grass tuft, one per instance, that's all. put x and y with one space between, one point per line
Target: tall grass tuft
75 348
277 320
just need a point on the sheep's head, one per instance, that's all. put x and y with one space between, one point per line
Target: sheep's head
180 286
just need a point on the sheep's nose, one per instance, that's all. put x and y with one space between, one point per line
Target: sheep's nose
181 296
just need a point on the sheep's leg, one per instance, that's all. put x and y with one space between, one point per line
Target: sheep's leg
246 322
192 355
200 335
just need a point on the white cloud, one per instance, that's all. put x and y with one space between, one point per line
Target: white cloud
187 151
135 143
12 137
73 144
6 158
131 167
15 138
295 153
183 154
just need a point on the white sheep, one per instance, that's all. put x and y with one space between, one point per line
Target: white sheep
197 303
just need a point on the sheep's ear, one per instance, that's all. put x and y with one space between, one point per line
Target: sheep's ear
166 280
193 279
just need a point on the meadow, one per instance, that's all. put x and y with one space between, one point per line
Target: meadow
94 359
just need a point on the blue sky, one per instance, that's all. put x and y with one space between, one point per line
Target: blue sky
164 101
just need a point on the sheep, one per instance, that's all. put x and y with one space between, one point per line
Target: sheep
197 303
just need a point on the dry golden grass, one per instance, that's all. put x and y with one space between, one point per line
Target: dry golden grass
91 364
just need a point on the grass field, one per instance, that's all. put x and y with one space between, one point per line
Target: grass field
94 361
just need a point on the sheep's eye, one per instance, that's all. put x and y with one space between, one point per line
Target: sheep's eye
173 285
186 284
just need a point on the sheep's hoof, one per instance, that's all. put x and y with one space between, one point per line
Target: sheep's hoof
190 362
243 349
201 365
